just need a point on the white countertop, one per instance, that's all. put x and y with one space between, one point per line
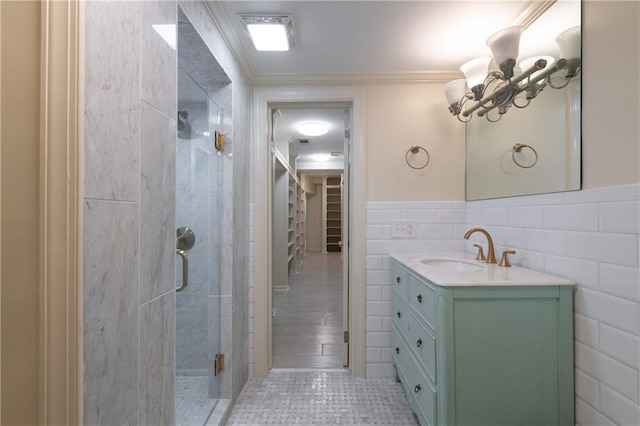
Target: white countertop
483 275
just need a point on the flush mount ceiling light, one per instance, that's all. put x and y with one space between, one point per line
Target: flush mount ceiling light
321 157
312 129
496 91
269 33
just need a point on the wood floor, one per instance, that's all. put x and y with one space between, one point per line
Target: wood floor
307 327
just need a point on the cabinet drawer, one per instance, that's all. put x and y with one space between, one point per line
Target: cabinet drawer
423 299
399 351
400 314
399 280
423 395
423 344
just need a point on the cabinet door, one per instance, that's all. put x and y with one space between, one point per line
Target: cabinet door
399 279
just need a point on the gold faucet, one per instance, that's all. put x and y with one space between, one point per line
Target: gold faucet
491 255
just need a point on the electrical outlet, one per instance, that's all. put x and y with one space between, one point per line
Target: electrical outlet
403 229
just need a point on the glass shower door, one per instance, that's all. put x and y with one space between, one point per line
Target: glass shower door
197 208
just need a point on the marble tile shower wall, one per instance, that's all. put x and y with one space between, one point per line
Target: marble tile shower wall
440 227
130 156
129 215
591 237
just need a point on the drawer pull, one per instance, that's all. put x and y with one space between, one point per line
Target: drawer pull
397 350
417 389
419 298
398 280
399 314
419 342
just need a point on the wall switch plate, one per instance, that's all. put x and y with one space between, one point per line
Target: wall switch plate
403 229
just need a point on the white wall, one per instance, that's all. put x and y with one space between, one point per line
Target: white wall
401 115
314 220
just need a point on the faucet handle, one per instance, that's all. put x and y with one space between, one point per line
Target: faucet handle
480 257
504 262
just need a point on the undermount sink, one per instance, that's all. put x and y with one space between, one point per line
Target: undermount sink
451 265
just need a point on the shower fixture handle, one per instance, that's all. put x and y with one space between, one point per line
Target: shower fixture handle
185 269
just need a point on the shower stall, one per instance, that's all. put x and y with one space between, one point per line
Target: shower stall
204 101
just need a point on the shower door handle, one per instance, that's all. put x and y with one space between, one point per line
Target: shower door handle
185 269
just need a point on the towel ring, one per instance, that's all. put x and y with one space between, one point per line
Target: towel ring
519 147
414 150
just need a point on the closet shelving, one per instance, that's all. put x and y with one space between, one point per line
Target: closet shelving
288 219
332 194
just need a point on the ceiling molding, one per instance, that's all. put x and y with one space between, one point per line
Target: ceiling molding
223 22
532 11
355 79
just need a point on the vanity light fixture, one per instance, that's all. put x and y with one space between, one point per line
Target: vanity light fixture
312 129
269 33
499 90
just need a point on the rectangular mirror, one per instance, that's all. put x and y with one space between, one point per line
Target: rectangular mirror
534 149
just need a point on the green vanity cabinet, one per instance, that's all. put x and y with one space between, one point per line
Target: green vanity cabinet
483 355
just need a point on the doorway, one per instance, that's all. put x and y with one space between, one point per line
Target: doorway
265 98
309 230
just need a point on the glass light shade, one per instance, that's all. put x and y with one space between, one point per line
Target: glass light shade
312 129
475 71
569 42
528 63
505 44
455 90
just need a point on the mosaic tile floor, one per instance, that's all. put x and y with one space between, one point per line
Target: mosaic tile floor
193 404
320 398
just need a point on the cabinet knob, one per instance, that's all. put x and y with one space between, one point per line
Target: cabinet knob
417 389
399 314
419 298
419 342
398 280
397 350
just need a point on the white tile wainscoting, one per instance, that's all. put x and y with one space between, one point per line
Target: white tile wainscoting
440 227
589 236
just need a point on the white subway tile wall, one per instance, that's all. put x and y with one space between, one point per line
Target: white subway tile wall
588 236
440 227
591 237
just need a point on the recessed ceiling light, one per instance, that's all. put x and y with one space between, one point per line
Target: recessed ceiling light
321 157
269 33
312 129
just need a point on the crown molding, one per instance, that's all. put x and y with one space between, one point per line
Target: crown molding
436 77
530 12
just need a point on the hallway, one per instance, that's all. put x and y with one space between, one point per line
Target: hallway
307 327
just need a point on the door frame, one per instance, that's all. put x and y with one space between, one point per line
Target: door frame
261 155
61 153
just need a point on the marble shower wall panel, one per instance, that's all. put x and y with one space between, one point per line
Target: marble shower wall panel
158 59
157 201
110 312
241 234
157 361
112 100
129 217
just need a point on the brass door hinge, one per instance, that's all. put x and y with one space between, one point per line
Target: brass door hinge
218 364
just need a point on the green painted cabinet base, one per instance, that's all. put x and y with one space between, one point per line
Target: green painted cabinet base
501 355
